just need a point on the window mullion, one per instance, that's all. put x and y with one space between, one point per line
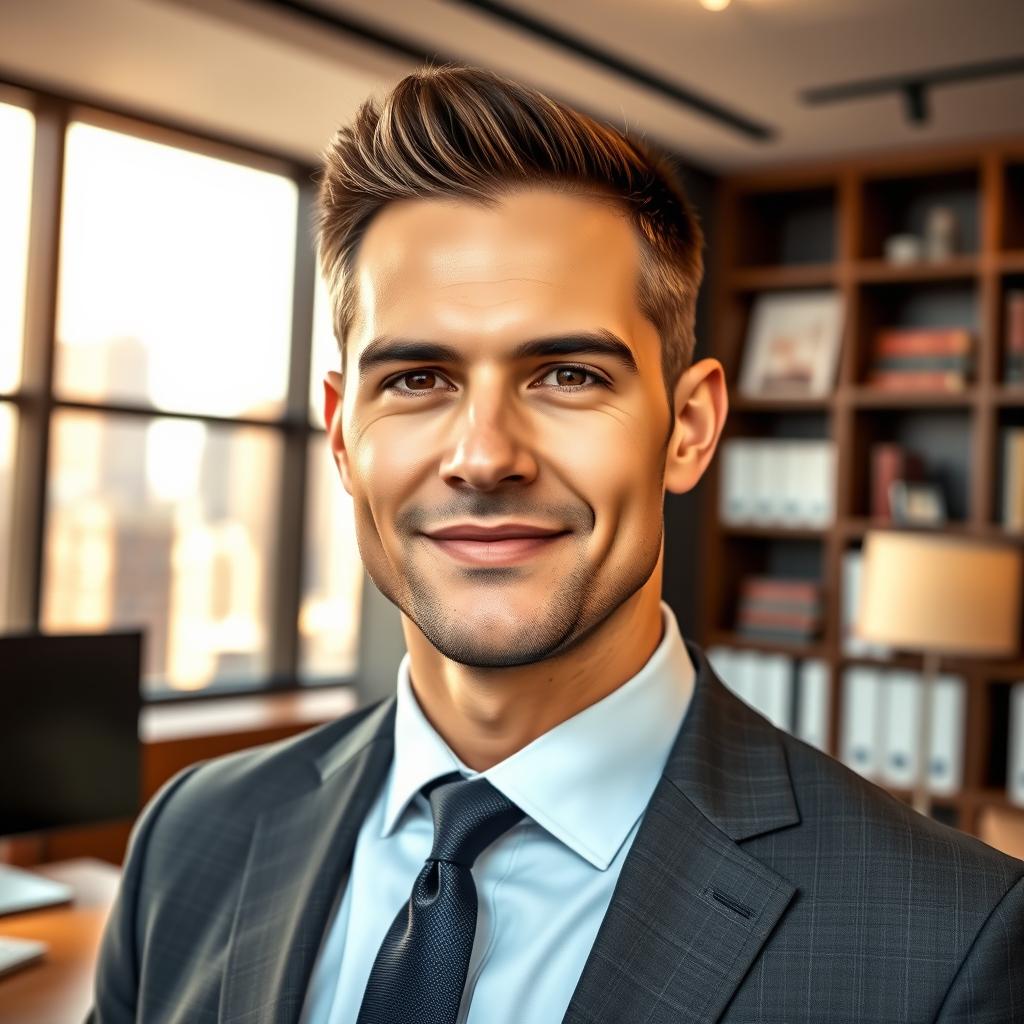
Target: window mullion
287 565
30 461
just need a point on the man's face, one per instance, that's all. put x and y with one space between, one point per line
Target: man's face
474 397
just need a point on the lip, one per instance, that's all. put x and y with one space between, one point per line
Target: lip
496 550
506 531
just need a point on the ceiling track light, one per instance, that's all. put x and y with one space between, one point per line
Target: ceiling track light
913 89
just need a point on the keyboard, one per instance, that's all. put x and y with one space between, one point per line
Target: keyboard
15 953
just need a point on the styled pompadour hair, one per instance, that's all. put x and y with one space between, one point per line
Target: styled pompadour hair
465 133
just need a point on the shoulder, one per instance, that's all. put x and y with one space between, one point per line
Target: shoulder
838 804
234 789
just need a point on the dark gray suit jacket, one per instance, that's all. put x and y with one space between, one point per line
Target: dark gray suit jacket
767 883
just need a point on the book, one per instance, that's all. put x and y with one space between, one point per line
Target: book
1013 479
922 363
891 461
922 341
917 380
779 608
1014 348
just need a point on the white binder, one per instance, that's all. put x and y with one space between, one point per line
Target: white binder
736 499
774 694
1015 760
813 702
860 743
946 749
747 669
901 715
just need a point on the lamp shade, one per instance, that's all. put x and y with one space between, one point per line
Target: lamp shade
950 595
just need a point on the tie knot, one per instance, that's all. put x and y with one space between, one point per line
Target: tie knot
469 815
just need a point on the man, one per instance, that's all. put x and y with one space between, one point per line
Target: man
562 814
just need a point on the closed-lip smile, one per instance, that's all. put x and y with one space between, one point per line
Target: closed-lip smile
472 531
507 544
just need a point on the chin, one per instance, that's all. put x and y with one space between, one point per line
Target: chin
498 630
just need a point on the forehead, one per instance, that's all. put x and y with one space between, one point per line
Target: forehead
535 259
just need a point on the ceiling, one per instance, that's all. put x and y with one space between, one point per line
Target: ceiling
283 74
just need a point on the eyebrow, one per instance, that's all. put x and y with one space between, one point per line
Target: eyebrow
601 342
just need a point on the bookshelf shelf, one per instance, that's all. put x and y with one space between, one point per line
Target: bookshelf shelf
772 531
747 403
826 225
1009 395
811 275
730 638
1010 262
867 397
963 268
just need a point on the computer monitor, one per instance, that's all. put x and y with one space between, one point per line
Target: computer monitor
69 735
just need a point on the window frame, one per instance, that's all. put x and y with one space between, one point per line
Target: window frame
36 402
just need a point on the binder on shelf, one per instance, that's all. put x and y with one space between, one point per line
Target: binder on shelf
746 672
774 693
946 746
769 503
736 500
859 746
901 716
813 702
1015 758
720 658
819 470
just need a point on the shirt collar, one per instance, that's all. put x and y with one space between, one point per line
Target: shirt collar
587 780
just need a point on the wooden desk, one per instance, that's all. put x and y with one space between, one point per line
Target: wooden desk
58 990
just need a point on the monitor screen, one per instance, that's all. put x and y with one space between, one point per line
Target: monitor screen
69 729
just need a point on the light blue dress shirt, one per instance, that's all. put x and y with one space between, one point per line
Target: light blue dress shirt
544 886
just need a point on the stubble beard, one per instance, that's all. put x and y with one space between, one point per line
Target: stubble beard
573 608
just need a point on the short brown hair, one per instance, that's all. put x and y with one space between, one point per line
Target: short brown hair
462 132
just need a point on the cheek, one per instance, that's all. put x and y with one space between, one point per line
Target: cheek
388 462
618 471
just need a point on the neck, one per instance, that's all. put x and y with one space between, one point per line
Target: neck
485 715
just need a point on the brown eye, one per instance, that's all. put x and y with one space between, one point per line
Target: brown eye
422 380
569 376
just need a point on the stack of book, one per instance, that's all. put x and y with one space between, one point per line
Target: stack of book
777 608
1014 370
921 359
1013 478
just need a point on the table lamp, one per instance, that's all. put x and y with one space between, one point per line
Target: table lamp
938 595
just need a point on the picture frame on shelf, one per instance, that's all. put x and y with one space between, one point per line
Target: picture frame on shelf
917 503
792 345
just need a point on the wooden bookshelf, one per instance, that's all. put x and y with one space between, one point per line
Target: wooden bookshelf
824 226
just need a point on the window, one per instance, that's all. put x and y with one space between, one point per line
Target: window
187 486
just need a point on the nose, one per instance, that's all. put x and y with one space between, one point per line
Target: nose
489 442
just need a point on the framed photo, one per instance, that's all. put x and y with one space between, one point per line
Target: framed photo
792 345
915 502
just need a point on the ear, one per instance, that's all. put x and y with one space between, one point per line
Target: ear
700 406
334 385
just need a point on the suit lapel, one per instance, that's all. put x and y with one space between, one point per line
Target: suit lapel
298 862
691 909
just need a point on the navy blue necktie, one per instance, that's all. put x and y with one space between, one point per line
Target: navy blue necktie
420 969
